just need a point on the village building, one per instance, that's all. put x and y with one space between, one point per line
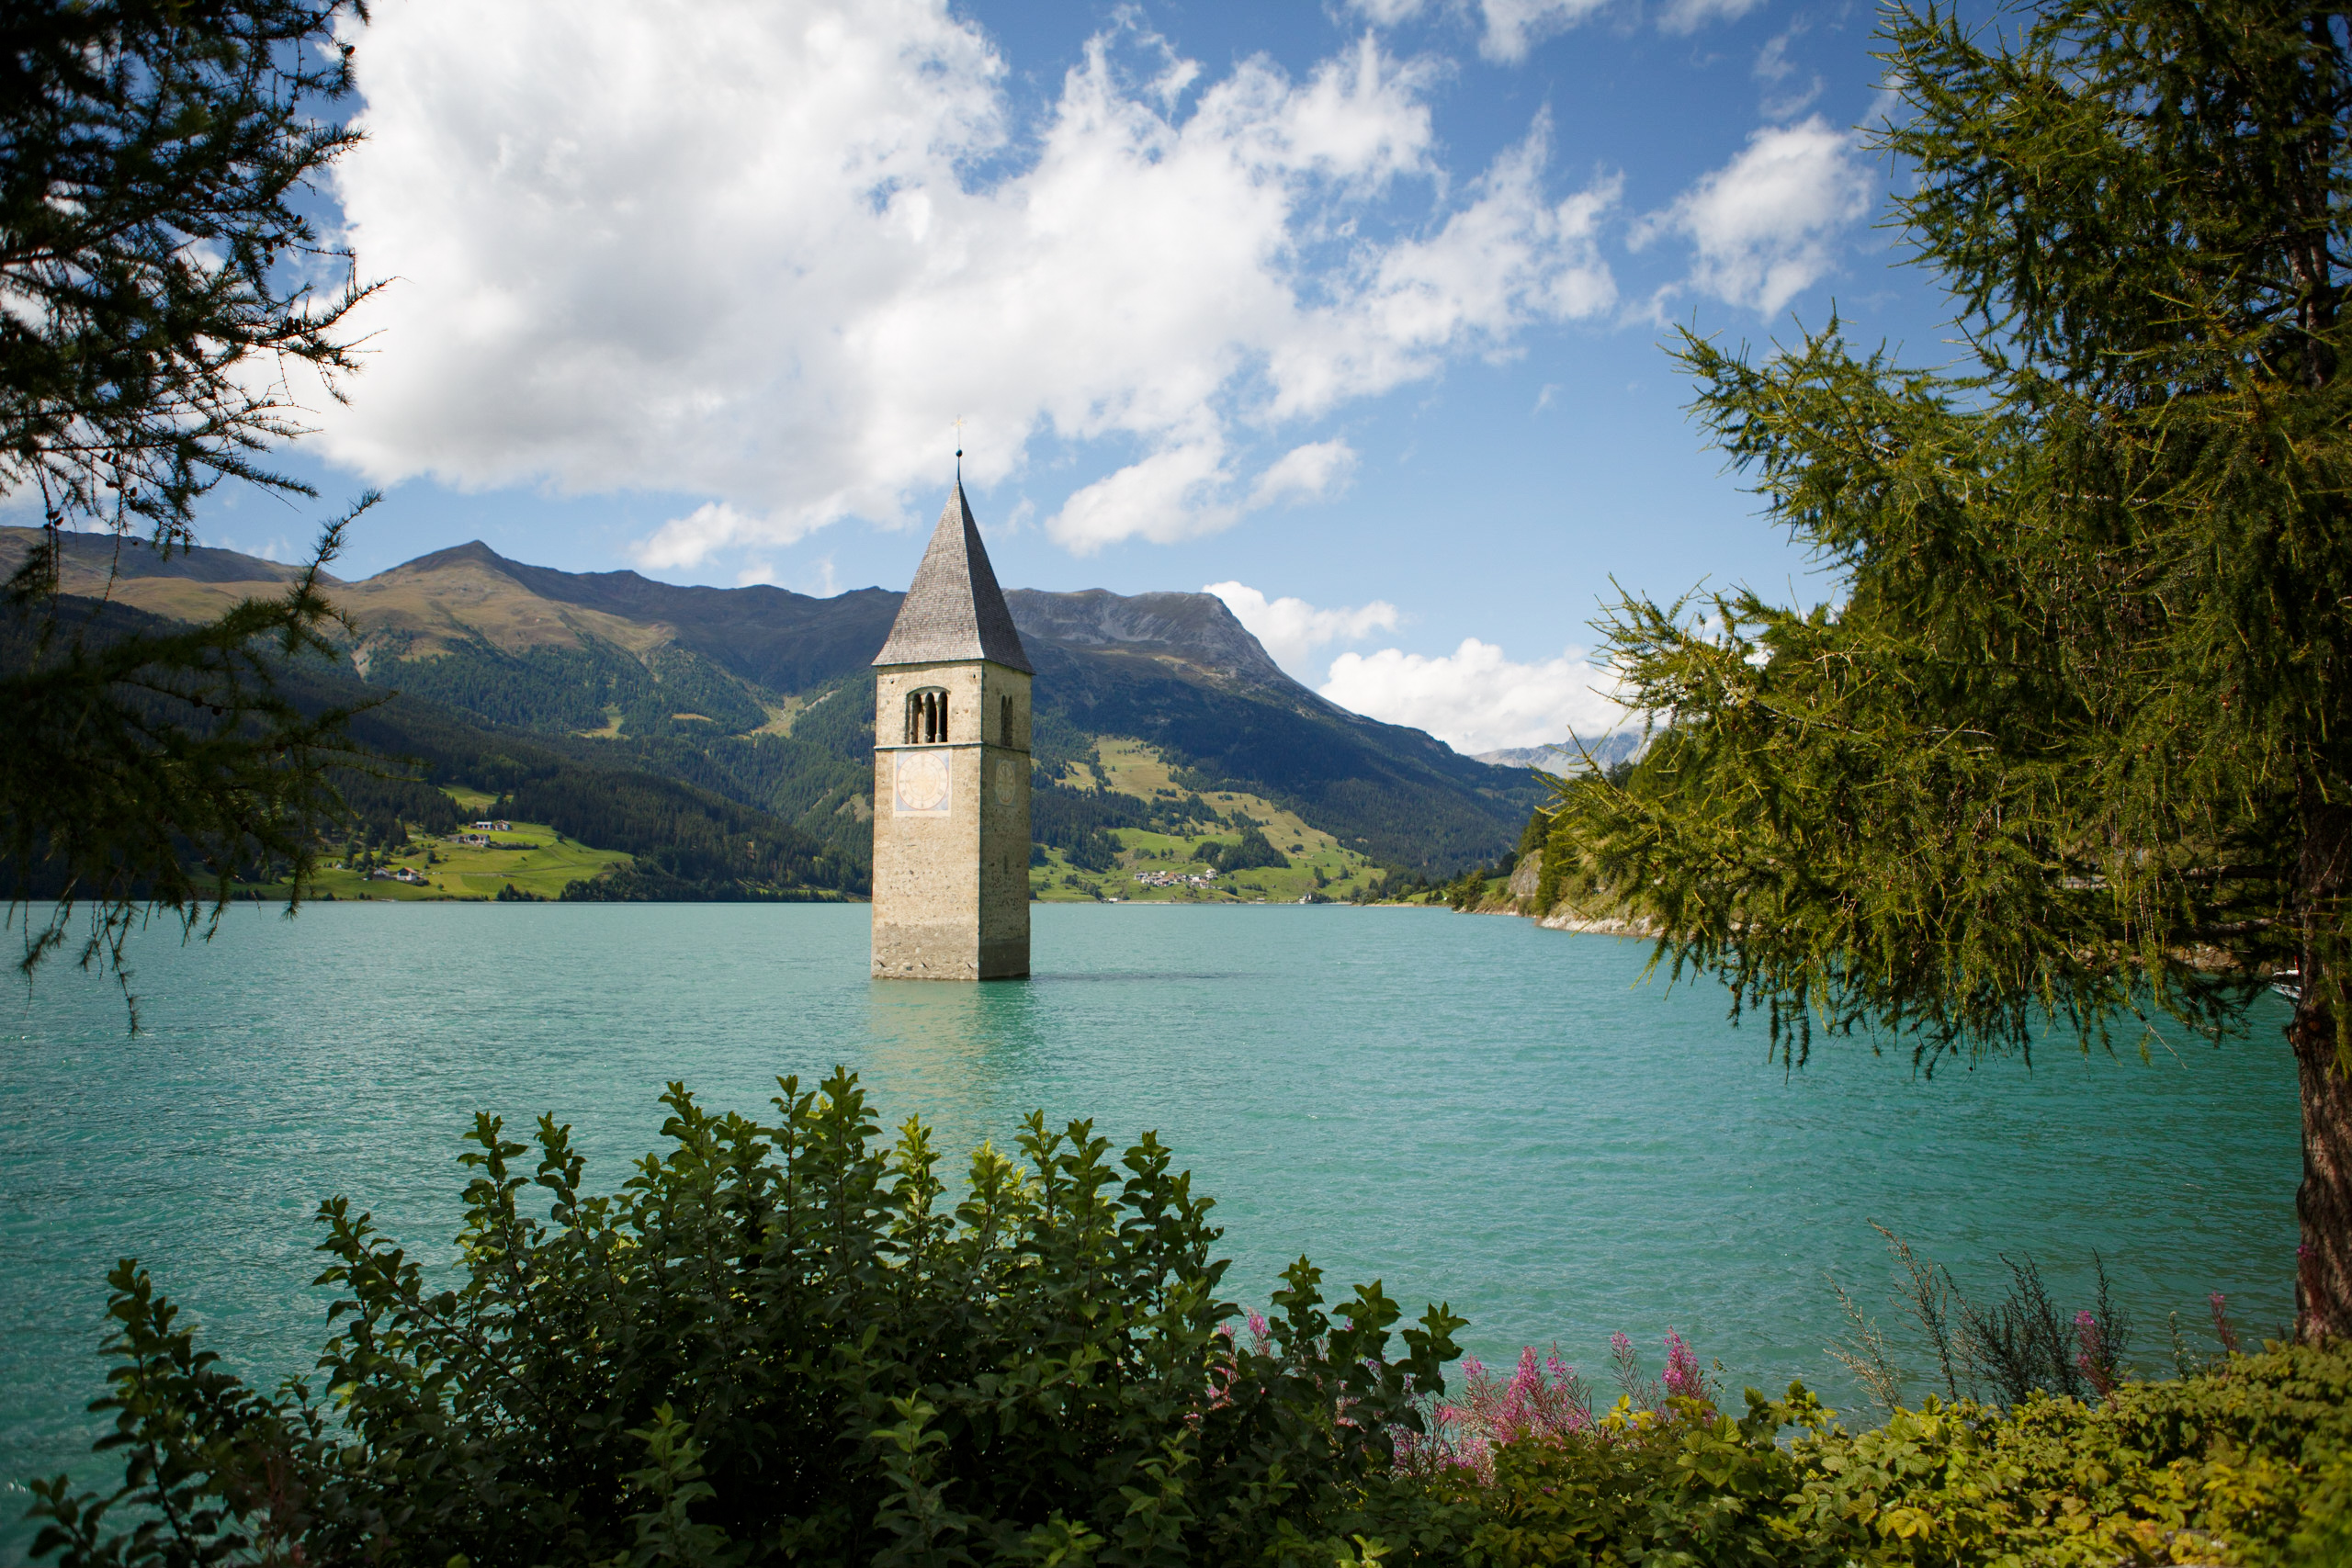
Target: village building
951 772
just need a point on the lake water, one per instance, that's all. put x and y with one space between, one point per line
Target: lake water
1469 1109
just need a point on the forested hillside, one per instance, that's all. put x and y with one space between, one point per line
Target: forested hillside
763 698
688 842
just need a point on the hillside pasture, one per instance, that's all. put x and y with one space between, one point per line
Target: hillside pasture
530 856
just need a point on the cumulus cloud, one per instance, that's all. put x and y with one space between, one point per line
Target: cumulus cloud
1291 629
1317 471
736 249
1507 258
1765 225
708 528
1167 496
1475 699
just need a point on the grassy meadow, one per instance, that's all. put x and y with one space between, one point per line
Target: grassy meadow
530 857
1130 767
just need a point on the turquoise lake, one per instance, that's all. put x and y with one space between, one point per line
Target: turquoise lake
1467 1108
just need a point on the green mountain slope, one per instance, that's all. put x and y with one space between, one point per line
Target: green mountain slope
763 697
684 841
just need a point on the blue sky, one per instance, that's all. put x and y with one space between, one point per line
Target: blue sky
1353 313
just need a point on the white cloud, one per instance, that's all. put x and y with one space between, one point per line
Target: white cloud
1291 629
1317 471
1515 27
1765 225
1474 699
1387 13
733 248
1774 67
1167 496
1509 30
1688 15
1186 490
708 528
1505 259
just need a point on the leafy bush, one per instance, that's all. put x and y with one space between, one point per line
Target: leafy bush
2248 1463
772 1344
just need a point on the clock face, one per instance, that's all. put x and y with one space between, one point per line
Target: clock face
1005 780
922 783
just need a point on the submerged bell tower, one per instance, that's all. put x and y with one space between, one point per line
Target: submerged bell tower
951 772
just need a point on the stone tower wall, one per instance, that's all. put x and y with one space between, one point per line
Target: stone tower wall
951 826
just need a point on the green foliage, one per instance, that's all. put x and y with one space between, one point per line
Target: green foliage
788 777
840 718
151 766
563 689
152 242
680 682
692 842
775 1343
381 805
1538 828
2077 745
556 690
687 844
1467 891
151 245
1251 851
779 1342
2248 1463
2078 725
1078 822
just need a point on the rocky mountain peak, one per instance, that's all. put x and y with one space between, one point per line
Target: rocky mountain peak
1195 629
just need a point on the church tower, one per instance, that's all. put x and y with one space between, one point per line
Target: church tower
951 772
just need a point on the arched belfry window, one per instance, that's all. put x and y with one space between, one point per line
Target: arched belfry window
927 716
1004 729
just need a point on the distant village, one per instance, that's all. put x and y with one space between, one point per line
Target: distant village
1176 878
476 838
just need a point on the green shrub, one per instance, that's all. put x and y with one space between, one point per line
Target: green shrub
772 1344
2250 1463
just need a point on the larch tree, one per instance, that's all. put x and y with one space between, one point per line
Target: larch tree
2075 748
158 277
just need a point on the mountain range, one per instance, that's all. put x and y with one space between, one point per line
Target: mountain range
1575 755
763 699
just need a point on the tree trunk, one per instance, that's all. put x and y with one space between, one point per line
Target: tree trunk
2323 1202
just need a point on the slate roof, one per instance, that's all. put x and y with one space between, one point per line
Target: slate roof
954 610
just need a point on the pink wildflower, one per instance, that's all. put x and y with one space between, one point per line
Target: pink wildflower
2092 1358
2222 1330
1684 1379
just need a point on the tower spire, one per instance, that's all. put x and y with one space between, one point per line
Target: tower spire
955 609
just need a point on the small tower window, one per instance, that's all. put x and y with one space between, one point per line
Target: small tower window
1004 729
926 716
